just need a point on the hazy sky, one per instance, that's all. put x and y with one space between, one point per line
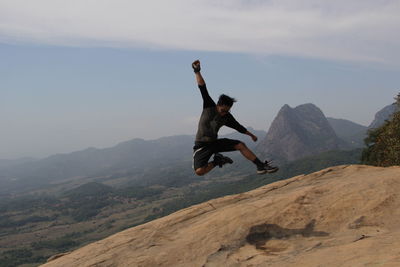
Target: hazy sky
75 74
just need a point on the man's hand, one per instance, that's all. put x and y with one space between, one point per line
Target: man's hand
196 66
252 136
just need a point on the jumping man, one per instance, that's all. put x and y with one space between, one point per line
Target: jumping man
213 117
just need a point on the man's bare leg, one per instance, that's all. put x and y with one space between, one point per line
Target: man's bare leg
219 160
203 170
261 166
246 152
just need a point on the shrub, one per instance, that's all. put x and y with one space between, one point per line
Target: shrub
383 143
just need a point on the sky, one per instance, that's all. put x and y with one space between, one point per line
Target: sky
93 73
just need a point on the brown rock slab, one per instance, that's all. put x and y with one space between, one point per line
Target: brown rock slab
341 216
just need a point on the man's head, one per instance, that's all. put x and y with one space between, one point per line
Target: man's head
224 104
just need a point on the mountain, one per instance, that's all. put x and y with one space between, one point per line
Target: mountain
299 132
345 128
341 216
353 133
382 115
136 159
295 133
4 163
134 156
349 131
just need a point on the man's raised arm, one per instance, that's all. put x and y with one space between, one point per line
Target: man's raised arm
207 100
199 78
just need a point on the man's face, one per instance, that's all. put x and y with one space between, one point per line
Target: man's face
223 110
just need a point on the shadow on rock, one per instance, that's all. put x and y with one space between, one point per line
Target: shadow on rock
260 234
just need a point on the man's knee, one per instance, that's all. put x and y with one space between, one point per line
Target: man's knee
240 146
200 171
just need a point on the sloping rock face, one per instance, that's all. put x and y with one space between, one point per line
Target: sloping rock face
383 115
298 132
340 216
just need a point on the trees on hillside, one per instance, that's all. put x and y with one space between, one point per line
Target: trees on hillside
383 143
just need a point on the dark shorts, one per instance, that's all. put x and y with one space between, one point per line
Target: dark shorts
202 152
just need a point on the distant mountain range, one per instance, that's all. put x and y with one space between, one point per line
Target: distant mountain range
132 158
352 133
13 162
295 133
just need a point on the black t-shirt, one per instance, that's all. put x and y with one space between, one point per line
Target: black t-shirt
211 121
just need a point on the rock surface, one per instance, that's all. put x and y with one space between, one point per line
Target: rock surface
341 216
383 115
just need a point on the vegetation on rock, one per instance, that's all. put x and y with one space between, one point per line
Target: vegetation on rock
383 143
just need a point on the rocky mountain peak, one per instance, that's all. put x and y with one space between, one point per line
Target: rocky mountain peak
298 132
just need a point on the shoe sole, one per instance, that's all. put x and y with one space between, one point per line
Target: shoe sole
265 171
273 171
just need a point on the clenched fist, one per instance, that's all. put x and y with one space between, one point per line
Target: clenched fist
196 66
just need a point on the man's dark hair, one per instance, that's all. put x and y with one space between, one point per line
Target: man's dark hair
225 100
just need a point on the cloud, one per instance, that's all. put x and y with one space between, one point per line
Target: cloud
349 30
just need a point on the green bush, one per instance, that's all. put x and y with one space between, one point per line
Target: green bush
383 143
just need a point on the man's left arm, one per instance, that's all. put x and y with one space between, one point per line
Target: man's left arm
255 138
234 124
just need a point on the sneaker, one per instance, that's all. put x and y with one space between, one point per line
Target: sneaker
266 168
220 160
